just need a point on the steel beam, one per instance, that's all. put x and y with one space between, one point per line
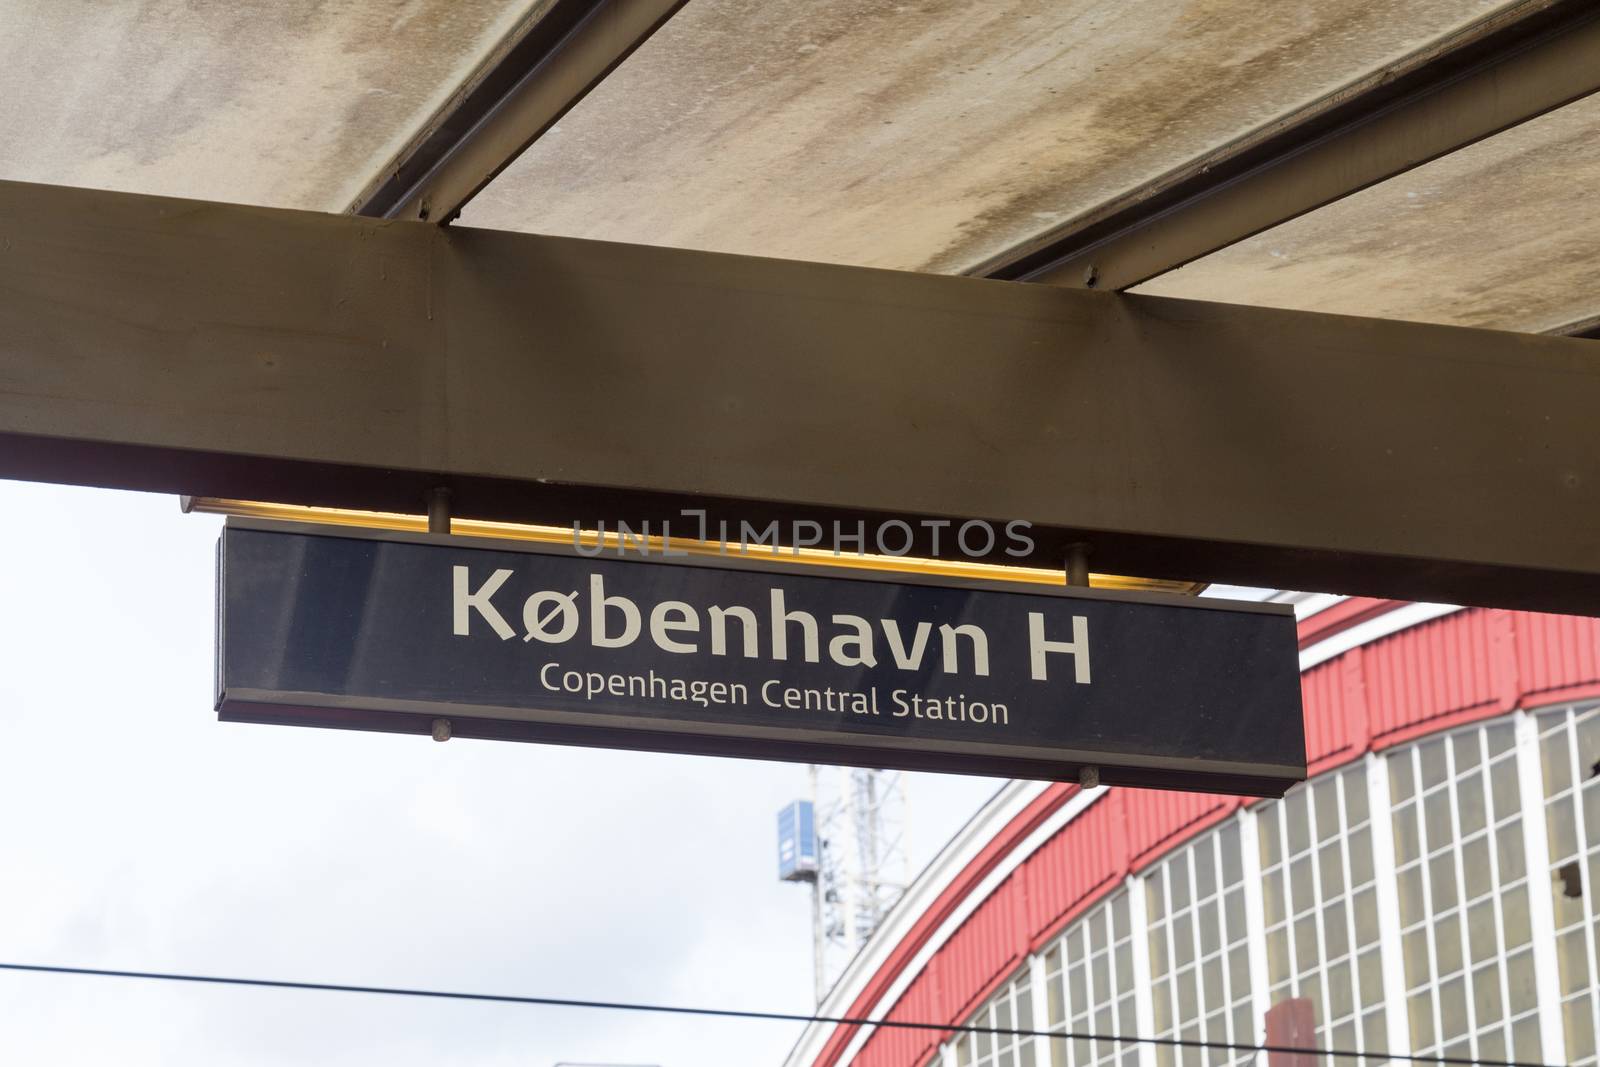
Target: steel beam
1500 72
224 351
1587 327
564 50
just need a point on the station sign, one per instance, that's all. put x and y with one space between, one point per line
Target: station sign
376 630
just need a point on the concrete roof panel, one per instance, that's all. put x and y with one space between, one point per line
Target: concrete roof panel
929 135
1503 234
293 103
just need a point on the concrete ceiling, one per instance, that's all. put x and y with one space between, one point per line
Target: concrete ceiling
1503 234
292 103
929 135
926 135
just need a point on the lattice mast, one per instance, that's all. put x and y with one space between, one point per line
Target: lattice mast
860 866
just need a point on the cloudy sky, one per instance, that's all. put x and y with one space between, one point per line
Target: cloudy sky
138 833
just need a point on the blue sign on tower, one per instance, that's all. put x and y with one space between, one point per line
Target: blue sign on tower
797 843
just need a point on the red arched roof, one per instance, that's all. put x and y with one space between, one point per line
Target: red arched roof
1382 691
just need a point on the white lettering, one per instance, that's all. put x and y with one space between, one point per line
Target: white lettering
780 629
980 648
719 630
906 661
839 647
466 601
1077 648
537 623
661 627
599 604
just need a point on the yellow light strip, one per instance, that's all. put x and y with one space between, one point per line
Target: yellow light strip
562 535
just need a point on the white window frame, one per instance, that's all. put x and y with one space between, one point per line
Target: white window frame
1380 821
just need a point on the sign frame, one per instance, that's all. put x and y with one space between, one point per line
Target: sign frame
786 744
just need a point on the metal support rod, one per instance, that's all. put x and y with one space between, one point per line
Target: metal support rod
553 61
1078 564
439 510
1078 575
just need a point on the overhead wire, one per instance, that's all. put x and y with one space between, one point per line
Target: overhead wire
736 1013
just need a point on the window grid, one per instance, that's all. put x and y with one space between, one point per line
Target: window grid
1009 1009
1199 956
1321 908
1460 869
1090 988
1569 746
1465 972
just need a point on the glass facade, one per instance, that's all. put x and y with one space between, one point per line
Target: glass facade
1320 895
1199 958
1460 865
1009 1009
1089 988
1401 895
1569 750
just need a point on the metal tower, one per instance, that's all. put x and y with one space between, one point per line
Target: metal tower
861 866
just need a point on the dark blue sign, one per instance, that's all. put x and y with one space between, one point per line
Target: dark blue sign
362 629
